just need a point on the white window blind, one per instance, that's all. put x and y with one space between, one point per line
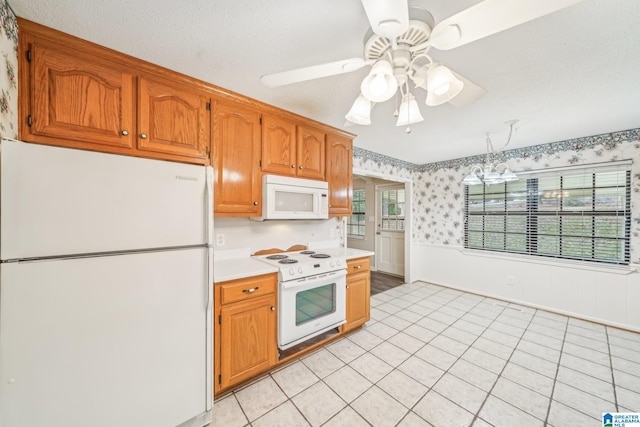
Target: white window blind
580 214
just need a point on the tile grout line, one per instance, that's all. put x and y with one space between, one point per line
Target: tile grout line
477 415
555 378
613 379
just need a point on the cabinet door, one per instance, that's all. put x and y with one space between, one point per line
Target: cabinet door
358 300
278 146
236 160
248 340
172 119
311 153
339 172
75 99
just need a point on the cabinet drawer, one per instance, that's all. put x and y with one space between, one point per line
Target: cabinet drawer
251 287
358 265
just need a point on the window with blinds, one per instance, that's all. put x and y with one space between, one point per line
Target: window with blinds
356 222
582 214
392 209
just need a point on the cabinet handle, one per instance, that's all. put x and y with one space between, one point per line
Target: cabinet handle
300 167
143 135
347 286
255 203
125 132
250 291
357 266
293 166
273 308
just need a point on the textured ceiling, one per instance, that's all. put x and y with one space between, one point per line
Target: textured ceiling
570 74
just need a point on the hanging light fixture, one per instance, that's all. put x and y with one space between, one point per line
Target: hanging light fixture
492 173
360 112
380 85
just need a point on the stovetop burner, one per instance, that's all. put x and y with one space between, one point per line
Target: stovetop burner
288 261
320 255
307 252
277 256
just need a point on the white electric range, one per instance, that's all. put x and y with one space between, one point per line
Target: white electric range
311 294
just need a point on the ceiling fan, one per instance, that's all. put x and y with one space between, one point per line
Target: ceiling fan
397 49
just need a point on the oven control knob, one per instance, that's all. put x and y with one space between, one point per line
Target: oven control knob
338 262
291 272
300 270
332 264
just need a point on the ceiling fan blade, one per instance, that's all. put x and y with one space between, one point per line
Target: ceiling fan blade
388 18
469 94
489 17
313 72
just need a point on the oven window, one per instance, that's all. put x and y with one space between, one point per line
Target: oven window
315 303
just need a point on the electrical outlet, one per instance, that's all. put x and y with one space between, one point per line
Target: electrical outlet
511 280
332 233
220 239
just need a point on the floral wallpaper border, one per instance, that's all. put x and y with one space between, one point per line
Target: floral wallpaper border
535 152
366 155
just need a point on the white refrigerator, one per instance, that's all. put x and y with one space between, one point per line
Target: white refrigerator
106 291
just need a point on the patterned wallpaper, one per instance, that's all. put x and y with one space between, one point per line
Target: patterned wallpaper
8 72
438 208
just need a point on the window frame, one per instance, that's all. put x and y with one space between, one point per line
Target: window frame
589 245
350 219
399 218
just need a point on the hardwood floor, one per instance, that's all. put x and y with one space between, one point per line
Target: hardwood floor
381 282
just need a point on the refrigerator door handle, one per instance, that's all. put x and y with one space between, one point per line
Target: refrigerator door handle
209 284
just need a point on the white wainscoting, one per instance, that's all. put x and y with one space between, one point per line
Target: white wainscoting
601 294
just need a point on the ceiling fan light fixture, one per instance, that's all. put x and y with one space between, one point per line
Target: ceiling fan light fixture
360 112
442 85
409 112
380 85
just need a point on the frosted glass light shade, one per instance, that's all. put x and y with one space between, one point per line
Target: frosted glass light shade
471 179
442 85
409 112
507 175
380 85
360 112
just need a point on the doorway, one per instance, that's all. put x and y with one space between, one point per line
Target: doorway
390 221
392 248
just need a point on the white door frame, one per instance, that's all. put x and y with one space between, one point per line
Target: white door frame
408 190
378 215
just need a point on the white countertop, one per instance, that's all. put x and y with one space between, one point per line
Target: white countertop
348 253
238 264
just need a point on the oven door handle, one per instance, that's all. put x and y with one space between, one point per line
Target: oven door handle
314 280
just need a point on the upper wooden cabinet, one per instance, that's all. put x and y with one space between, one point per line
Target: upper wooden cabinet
290 149
172 118
339 174
236 160
73 98
311 153
76 94
278 145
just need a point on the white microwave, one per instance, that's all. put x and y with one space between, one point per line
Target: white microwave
285 197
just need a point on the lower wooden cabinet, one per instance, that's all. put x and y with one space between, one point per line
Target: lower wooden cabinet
358 293
245 329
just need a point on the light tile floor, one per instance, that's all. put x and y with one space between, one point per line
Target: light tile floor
433 356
